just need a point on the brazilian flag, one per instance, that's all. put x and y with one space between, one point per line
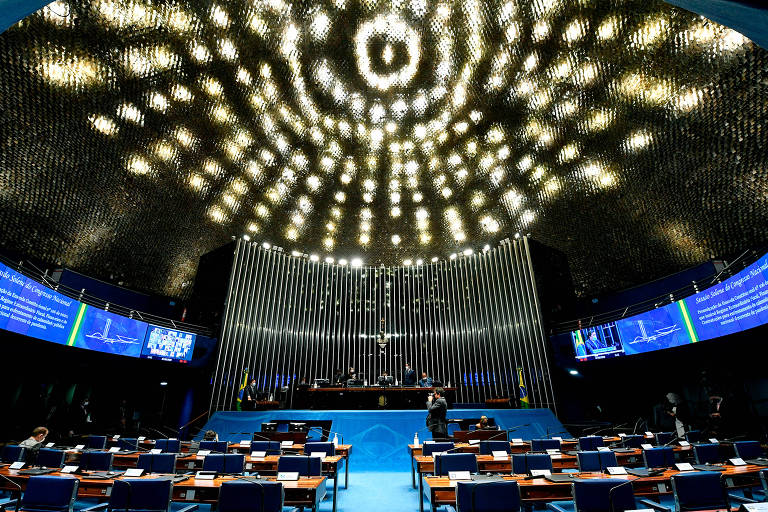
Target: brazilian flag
242 390
524 401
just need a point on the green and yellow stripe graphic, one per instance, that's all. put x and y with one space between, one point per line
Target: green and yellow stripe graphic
76 327
688 324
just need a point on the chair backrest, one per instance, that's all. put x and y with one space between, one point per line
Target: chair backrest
693 436
748 449
596 461
50 458
501 496
455 462
127 443
590 443
430 448
488 447
96 442
13 453
663 438
251 496
271 447
699 491
96 461
224 462
47 493
764 480
302 464
315 447
157 462
523 463
145 495
168 445
594 495
706 453
659 457
542 445
633 441
214 446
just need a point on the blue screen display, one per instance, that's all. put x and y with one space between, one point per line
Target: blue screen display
168 344
27 307
737 304
107 332
30 308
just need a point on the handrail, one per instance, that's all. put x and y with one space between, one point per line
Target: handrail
29 269
743 260
194 420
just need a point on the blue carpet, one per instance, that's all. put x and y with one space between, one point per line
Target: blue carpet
379 439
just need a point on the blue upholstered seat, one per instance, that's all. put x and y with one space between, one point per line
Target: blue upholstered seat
590 443
224 463
304 465
600 495
663 438
127 443
632 441
270 447
12 453
502 496
96 461
96 442
168 445
488 447
701 490
251 496
707 453
50 458
596 461
542 445
522 464
659 457
455 462
140 495
748 449
50 494
157 462
214 446
316 447
430 448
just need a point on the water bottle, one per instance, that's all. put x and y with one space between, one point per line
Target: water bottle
416 439
271 397
335 440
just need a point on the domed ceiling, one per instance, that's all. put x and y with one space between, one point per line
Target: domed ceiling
137 135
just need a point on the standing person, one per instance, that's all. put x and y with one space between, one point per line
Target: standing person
678 410
409 376
251 395
438 409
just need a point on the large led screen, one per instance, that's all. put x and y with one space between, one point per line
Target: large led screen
30 308
737 304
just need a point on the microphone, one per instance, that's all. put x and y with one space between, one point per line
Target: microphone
508 431
611 427
612 491
18 487
675 439
327 432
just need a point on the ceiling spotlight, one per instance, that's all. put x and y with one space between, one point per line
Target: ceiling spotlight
342 262
356 262
434 259
246 238
329 260
517 235
266 245
295 254
467 252
453 256
314 257
486 248
419 261
407 263
573 372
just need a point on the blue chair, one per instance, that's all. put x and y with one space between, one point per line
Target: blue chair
455 462
96 461
128 443
301 464
701 490
157 462
315 447
601 495
748 449
430 448
140 495
251 496
522 464
50 458
48 494
693 436
214 446
488 447
590 443
707 453
542 445
224 463
270 447
12 453
659 457
663 438
96 442
168 445
596 461
633 441
501 496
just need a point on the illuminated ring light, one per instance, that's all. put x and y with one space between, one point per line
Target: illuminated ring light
389 27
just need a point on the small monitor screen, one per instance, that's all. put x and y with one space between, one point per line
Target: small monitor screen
168 345
597 342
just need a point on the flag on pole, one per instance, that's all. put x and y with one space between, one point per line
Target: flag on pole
242 390
524 401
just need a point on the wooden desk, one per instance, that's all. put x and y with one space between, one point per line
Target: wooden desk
442 491
305 492
367 397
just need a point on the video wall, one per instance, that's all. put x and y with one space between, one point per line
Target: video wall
27 307
737 304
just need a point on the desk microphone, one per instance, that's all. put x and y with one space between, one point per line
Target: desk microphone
18 487
675 439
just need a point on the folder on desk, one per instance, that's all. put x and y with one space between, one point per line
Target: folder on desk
561 477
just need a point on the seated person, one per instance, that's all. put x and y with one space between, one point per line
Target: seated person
36 439
339 377
425 382
385 379
483 423
210 435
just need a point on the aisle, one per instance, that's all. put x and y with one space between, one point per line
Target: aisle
377 492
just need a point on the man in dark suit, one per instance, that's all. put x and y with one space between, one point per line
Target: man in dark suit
251 395
438 408
409 376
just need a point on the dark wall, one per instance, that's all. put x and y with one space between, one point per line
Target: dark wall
46 382
624 389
